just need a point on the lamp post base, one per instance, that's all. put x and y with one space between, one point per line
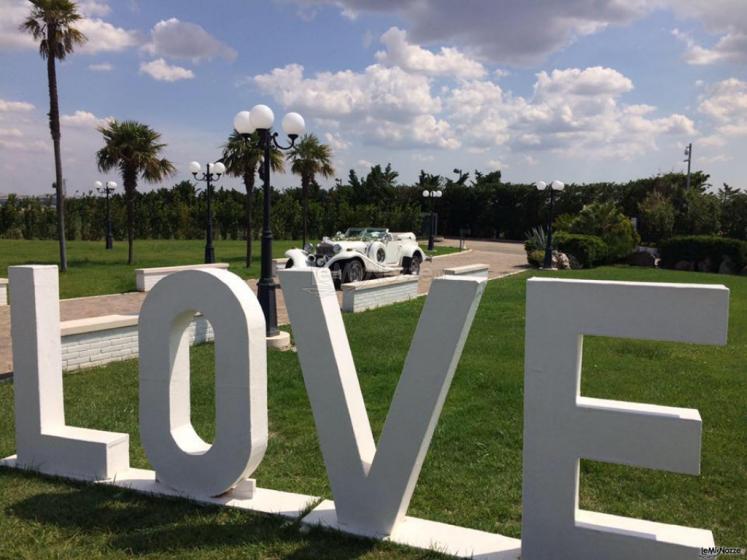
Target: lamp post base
266 296
109 242
209 255
281 341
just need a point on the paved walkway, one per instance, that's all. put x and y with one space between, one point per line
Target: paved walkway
502 258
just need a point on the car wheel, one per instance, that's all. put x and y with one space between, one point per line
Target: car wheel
289 263
413 267
336 275
353 272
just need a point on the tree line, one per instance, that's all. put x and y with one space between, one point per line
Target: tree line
475 204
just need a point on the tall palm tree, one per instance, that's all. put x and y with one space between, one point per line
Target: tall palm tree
51 22
310 158
241 158
135 149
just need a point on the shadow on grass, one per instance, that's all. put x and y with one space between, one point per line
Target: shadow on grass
142 525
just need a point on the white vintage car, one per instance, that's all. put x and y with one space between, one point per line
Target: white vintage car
361 253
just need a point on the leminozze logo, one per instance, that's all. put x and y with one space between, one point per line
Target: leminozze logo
716 551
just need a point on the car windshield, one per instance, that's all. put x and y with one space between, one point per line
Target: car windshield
374 233
353 232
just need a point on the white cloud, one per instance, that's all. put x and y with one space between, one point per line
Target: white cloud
512 33
592 81
577 112
10 133
414 58
15 106
525 32
102 36
181 39
84 119
14 13
731 47
381 105
93 8
725 104
378 91
105 37
160 70
336 142
101 67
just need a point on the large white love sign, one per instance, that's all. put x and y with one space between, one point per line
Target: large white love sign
372 484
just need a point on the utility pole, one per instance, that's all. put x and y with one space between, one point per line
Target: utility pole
689 154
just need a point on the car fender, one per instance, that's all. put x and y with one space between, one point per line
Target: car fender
410 251
299 258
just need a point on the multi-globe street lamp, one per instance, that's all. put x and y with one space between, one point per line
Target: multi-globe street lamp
212 173
552 187
260 120
431 195
107 190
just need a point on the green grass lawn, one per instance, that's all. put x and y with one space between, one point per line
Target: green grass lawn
471 476
92 270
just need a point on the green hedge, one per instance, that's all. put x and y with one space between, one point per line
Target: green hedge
702 248
590 250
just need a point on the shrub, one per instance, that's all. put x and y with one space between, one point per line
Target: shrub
589 250
563 222
536 258
703 249
606 221
657 217
536 239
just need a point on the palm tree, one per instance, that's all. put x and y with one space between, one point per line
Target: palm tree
134 148
310 158
241 158
51 23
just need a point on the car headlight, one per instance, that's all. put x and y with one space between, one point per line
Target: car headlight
337 248
311 259
309 247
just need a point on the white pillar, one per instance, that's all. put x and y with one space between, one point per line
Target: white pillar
181 459
44 443
372 487
561 426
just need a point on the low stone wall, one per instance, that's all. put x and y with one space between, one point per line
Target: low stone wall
100 340
146 278
3 291
478 270
369 294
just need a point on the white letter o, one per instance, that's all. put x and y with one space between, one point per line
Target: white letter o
181 459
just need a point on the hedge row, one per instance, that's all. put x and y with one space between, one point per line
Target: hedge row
704 250
590 250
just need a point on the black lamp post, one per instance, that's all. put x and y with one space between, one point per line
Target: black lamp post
552 187
432 195
260 119
213 173
107 190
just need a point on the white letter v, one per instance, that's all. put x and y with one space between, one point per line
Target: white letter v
372 488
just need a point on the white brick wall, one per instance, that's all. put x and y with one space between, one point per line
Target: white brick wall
100 347
376 293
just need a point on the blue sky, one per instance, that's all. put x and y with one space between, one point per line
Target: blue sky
580 90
